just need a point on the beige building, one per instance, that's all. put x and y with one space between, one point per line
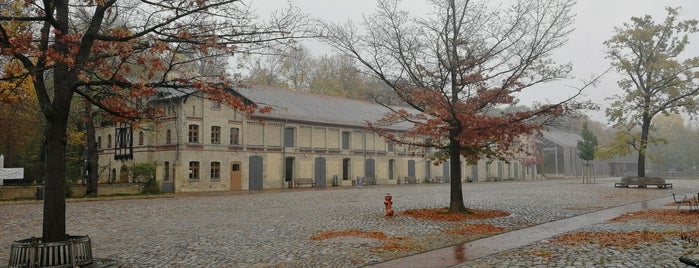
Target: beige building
201 145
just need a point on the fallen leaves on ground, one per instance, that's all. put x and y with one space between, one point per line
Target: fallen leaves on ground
359 233
389 243
661 215
605 239
443 214
480 228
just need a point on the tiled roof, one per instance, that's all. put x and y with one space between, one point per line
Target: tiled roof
299 106
562 138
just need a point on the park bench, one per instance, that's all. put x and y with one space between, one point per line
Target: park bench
368 181
643 182
304 181
410 180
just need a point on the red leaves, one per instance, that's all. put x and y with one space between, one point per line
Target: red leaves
606 239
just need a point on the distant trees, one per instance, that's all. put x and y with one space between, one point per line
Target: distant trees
659 79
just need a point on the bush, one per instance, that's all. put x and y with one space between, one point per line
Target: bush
151 187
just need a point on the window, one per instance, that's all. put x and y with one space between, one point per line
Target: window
194 110
215 170
193 133
215 135
389 146
140 138
193 170
288 137
345 140
215 104
99 142
166 170
168 137
109 141
234 136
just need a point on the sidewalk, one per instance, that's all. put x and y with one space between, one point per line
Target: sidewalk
454 255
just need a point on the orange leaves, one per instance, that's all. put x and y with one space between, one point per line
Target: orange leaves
443 214
479 228
630 239
359 233
661 215
605 239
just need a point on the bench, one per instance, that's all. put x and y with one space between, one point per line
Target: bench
410 180
304 181
643 182
368 181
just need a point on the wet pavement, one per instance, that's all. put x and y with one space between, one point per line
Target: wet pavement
460 253
273 228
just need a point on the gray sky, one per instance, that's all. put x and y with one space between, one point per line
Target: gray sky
594 24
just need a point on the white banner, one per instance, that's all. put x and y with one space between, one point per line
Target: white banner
11 174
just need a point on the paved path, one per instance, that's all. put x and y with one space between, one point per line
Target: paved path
272 228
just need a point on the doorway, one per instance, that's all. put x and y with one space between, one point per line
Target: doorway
236 177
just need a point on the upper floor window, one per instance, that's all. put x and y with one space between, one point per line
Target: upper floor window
215 170
193 170
215 135
389 146
99 142
235 136
345 140
193 133
168 137
215 104
289 137
109 141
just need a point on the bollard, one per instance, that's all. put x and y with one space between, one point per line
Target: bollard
388 202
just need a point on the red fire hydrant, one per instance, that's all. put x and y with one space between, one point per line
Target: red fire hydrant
387 201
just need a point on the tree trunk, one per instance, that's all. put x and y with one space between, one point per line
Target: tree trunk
91 154
645 130
456 198
54 222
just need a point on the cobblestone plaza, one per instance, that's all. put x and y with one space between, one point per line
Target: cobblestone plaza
273 228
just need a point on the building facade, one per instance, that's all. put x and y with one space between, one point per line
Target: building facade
201 145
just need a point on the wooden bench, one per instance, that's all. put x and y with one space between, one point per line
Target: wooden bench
368 181
304 181
643 182
410 180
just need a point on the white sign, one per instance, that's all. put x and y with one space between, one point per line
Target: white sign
11 174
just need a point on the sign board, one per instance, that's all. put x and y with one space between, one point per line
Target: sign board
11 174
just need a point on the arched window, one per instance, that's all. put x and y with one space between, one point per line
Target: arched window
109 141
140 138
99 142
168 137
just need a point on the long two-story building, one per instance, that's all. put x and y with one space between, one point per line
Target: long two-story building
201 145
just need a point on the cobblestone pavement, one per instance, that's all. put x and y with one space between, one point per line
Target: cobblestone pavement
272 228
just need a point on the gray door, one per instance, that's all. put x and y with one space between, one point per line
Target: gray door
500 171
474 172
446 172
320 172
369 168
255 173
411 168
